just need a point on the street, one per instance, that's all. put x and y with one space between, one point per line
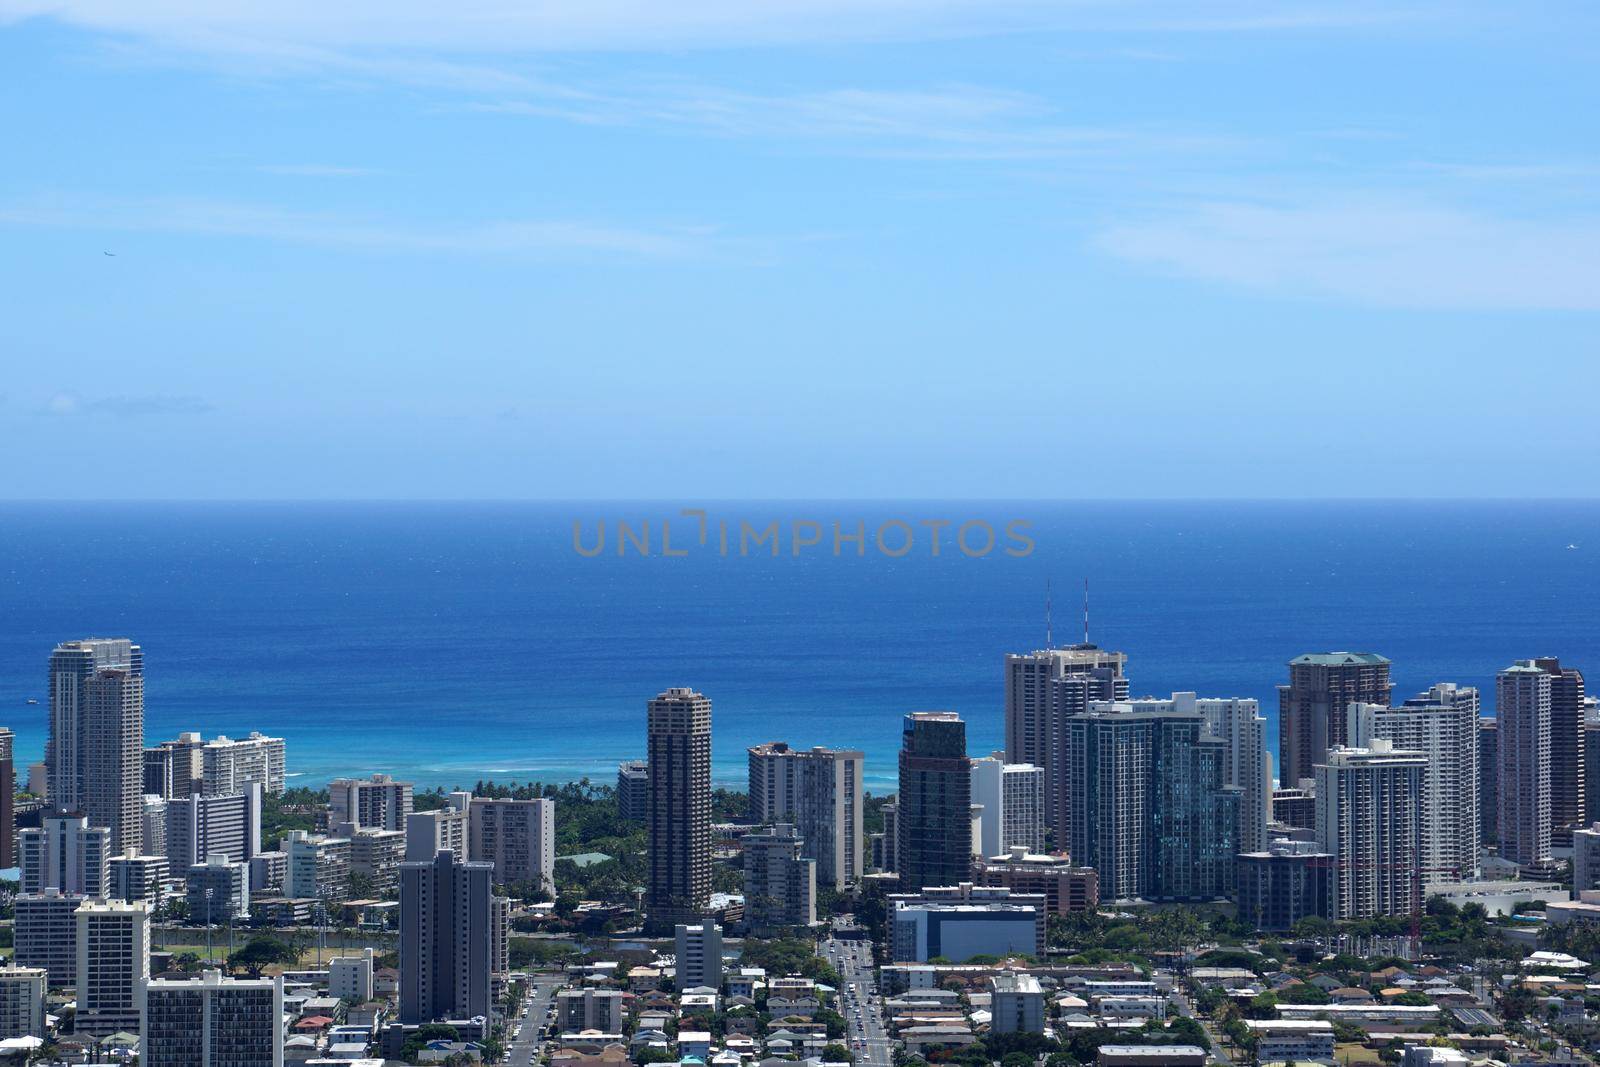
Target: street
865 1035
523 1050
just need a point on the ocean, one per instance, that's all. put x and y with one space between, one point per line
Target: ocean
448 642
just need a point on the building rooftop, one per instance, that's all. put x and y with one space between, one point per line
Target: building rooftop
1336 659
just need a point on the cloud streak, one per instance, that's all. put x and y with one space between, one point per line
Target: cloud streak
68 404
609 25
1384 254
218 218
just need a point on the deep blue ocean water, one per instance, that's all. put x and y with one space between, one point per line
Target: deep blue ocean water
448 642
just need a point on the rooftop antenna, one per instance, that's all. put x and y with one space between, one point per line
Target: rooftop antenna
1086 611
1049 641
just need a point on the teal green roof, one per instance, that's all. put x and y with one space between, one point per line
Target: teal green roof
1336 659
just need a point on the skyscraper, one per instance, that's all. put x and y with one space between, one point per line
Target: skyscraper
679 735
1489 782
517 836
1568 800
378 803
8 790
73 665
1149 809
227 764
934 822
1042 688
819 791
64 853
780 887
200 828
1447 736
633 789
1311 708
1522 709
113 965
1237 723
1369 819
1012 796
446 939
212 1021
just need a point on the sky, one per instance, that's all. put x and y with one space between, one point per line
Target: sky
821 249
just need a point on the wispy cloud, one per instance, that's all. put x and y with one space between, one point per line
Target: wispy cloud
946 122
217 218
316 170
582 25
68 404
1388 254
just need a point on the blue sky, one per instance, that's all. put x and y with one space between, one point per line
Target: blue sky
838 248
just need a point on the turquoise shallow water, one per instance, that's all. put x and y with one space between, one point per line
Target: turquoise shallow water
449 642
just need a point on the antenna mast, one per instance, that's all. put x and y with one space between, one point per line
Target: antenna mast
1049 641
1086 611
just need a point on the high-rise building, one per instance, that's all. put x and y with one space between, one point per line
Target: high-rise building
175 768
76 716
200 828
1369 819
269 871
1238 724
447 827
376 803
1522 709
229 764
316 867
1311 708
679 734
1591 768
699 956
446 939
46 931
1150 811
1585 860
1012 796
780 887
64 853
889 861
633 790
1296 808
218 891
1488 782
134 877
212 1021
113 965
517 836
22 992
1447 735
153 820
1567 780
375 857
1283 883
1044 687
934 822
8 791
819 791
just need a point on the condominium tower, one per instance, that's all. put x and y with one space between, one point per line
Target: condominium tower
1369 819
1311 708
446 939
210 1020
1044 687
819 791
1447 736
95 754
1522 709
678 727
1149 810
934 823
1568 799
